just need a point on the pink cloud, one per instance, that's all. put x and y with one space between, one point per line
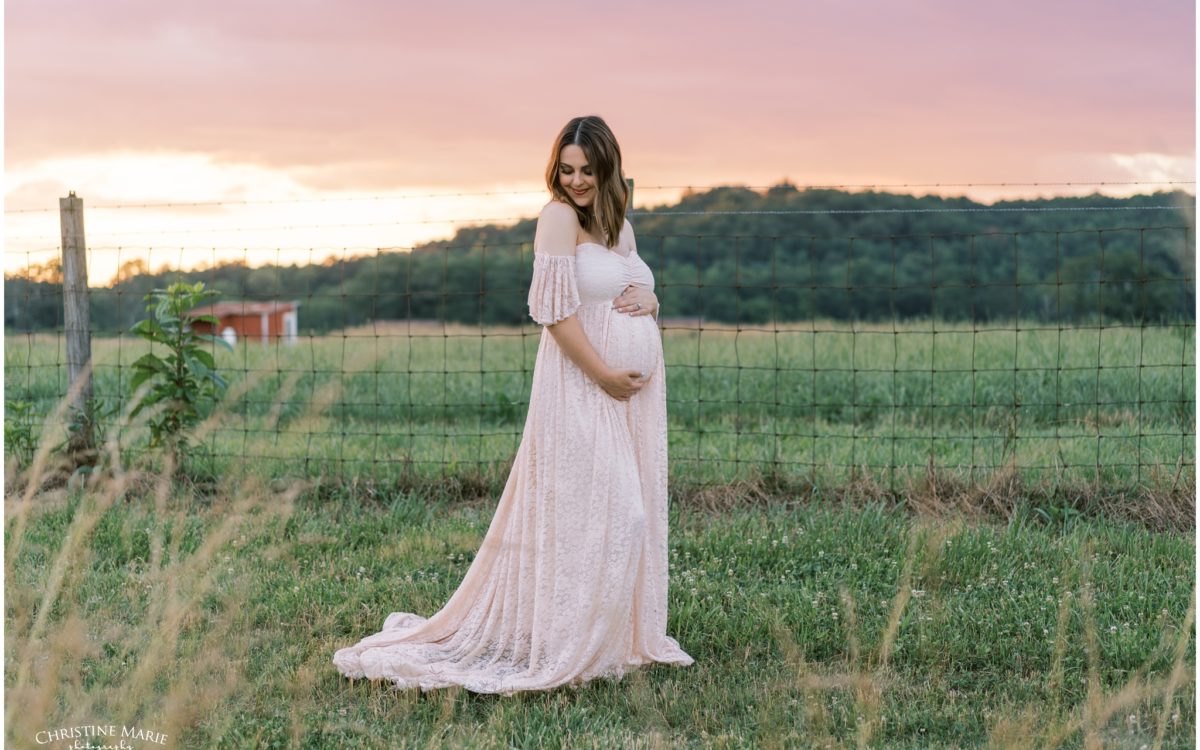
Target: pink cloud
382 94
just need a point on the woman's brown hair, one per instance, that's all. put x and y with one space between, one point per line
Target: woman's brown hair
603 154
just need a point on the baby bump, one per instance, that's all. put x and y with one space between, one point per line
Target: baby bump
632 342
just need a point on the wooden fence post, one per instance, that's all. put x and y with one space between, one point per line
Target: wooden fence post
77 320
629 182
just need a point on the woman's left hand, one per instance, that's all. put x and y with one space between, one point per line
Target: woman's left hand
629 300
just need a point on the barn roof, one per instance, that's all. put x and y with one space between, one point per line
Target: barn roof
244 307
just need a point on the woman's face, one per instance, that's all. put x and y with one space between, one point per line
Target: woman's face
576 175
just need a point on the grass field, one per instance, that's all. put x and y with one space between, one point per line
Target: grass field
966 615
214 620
1112 406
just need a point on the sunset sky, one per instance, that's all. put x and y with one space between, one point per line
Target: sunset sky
361 108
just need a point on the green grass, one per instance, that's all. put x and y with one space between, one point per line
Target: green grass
1113 406
214 619
879 622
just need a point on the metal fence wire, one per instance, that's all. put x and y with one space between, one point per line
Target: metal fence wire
1064 355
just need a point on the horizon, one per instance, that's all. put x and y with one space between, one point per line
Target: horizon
356 104
105 261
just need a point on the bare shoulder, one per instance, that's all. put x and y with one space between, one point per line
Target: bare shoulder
558 210
557 230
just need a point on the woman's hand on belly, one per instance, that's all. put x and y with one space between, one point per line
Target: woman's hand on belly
622 384
627 302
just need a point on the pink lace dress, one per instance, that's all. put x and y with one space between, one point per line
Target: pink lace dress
570 582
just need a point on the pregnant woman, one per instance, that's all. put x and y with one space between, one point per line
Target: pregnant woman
570 582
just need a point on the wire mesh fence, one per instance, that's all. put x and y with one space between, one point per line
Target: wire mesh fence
1066 355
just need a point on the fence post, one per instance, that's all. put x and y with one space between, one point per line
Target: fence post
629 183
76 320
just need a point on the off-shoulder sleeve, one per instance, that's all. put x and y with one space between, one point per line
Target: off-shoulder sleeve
553 294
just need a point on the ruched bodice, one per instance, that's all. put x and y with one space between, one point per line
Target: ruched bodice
604 273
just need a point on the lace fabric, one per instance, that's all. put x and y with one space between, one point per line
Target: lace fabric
570 581
553 292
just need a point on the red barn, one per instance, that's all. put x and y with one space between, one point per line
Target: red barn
254 321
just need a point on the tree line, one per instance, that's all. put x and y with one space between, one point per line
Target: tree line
736 255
